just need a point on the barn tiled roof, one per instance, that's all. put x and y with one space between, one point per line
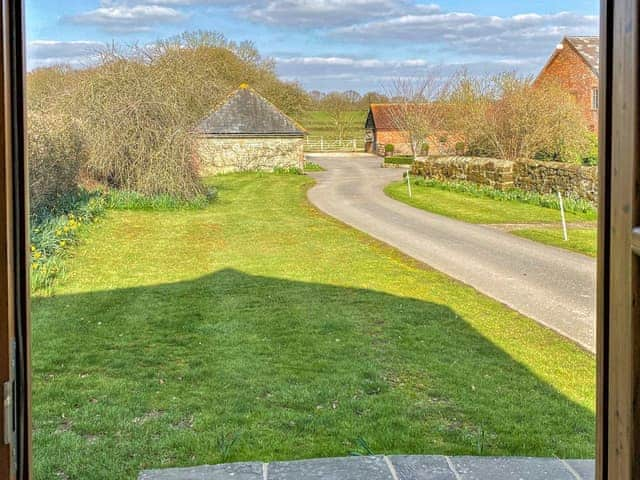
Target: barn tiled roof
382 115
589 49
247 113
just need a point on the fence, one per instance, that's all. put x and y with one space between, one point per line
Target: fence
322 144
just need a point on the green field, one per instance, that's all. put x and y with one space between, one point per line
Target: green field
531 221
259 329
319 124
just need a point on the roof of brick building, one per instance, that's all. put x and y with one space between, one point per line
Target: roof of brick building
589 50
247 113
384 116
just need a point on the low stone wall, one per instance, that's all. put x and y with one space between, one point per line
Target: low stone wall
541 177
223 155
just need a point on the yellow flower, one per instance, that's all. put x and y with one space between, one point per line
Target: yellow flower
37 255
33 248
63 243
34 266
58 232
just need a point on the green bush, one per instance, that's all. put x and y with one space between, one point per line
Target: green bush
575 205
399 160
460 148
424 149
590 157
389 148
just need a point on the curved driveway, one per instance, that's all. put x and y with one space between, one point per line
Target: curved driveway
552 286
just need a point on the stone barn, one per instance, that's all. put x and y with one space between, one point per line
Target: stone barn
247 132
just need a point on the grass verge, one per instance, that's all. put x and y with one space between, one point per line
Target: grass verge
259 329
581 240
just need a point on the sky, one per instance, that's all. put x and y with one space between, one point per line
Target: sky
326 45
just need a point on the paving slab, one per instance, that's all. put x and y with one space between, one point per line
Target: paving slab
510 468
421 467
229 471
348 468
586 469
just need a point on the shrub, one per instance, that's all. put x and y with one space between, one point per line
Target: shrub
460 148
389 148
591 155
424 149
399 160
57 152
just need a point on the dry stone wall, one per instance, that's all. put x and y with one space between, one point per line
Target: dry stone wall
541 177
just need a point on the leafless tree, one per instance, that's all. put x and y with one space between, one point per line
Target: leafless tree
342 111
418 109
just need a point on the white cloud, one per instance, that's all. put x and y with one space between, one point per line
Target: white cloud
125 18
44 53
329 13
527 34
331 73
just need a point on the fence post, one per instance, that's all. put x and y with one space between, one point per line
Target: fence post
564 220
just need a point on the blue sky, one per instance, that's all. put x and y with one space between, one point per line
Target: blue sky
326 44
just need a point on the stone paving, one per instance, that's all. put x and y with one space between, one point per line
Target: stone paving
413 467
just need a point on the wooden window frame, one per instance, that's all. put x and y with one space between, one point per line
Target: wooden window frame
15 457
618 318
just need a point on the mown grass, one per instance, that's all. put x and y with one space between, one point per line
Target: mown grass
259 329
581 240
319 124
476 207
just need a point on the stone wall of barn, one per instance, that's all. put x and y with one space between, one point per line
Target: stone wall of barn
541 177
224 155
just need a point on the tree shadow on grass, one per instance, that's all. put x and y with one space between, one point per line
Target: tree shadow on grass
232 367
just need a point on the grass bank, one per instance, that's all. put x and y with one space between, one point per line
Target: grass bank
534 218
258 329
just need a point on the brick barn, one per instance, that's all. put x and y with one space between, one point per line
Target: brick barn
247 132
576 65
381 129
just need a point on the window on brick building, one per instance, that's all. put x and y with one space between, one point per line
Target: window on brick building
595 98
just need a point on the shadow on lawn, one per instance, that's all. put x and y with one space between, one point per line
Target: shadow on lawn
233 367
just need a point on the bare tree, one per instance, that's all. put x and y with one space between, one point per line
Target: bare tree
418 109
341 109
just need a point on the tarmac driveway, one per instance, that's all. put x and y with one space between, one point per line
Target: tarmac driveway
550 285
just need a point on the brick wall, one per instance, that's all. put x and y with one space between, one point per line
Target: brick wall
223 155
542 177
569 69
402 146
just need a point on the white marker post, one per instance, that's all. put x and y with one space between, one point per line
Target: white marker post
409 185
564 220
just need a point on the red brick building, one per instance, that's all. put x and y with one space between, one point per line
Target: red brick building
381 129
575 64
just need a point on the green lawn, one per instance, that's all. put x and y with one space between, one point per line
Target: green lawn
259 329
582 240
483 210
318 124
